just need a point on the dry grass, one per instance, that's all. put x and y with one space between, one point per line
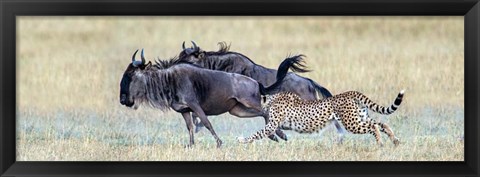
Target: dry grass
69 69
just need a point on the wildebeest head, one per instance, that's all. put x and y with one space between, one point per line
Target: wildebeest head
130 79
192 54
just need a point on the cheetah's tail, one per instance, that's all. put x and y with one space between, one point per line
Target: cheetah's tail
384 110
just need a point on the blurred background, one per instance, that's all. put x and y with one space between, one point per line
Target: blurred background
69 71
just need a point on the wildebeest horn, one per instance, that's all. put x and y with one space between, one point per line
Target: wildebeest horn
194 45
183 45
135 63
133 57
143 57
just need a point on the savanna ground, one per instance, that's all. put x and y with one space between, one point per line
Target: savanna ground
69 70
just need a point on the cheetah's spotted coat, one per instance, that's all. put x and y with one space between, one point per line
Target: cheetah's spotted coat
289 112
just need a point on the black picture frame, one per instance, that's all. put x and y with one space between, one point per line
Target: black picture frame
9 9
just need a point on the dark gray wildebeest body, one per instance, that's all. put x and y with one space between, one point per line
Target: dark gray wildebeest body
233 62
187 89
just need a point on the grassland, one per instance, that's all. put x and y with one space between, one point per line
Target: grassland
69 69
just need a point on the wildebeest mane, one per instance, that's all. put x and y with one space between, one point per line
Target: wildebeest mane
159 89
224 49
161 85
165 64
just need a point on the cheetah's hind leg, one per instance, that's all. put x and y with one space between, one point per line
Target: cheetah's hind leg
387 130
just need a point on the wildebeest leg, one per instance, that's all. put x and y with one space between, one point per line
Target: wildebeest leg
240 110
198 123
340 130
189 123
198 110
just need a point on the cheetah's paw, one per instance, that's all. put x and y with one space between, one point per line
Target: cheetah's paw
243 140
396 142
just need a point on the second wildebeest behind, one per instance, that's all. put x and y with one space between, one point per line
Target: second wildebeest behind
187 89
234 62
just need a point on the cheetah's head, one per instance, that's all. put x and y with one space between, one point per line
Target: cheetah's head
267 102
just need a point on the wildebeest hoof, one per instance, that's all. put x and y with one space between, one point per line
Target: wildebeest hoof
198 125
188 146
339 140
284 137
219 143
273 138
197 129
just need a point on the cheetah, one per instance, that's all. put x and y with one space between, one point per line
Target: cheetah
289 112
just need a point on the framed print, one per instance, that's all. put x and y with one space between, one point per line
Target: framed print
239 88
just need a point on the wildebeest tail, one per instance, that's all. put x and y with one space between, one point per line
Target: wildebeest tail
294 63
321 90
380 109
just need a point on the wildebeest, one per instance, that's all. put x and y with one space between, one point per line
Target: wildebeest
187 89
234 62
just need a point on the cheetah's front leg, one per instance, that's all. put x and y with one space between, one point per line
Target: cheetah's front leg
265 132
269 129
244 140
